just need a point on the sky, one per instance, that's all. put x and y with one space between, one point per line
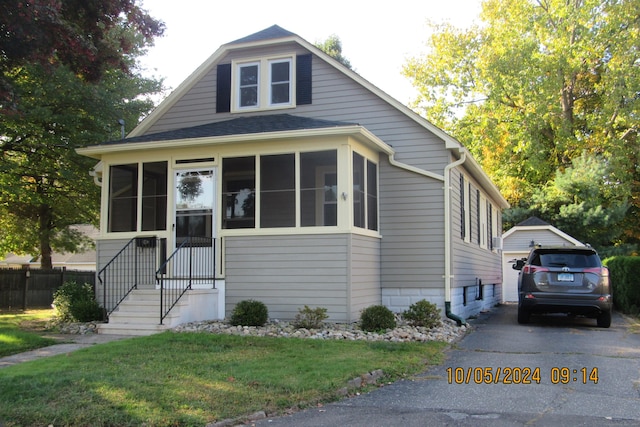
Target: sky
376 39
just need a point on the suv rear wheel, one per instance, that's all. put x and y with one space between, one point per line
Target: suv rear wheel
523 315
604 320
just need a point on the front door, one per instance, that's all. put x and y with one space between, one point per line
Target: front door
194 227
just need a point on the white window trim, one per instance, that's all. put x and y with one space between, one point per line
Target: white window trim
264 83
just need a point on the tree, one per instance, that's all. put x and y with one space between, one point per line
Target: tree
537 85
56 105
332 46
88 36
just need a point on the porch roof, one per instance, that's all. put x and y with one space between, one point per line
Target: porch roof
238 126
263 127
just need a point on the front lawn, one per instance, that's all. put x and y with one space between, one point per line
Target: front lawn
22 331
195 378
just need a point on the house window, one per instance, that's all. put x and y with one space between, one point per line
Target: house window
463 214
319 188
248 85
124 188
280 82
277 191
267 83
365 199
238 192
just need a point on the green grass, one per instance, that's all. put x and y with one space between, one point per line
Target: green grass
189 379
22 331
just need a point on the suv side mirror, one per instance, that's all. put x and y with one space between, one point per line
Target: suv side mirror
518 265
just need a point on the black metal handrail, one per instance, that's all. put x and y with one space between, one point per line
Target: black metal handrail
133 266
191 263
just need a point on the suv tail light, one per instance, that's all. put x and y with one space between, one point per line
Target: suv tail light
530 269
600 271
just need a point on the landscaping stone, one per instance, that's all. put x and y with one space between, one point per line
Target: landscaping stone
448 331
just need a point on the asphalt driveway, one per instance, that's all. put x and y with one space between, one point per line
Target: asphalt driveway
554 371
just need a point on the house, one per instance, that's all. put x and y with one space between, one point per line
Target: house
81 260
290 179
517 243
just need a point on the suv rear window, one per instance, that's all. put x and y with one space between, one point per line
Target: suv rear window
576 259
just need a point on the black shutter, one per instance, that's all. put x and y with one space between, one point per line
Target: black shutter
223 89
303 79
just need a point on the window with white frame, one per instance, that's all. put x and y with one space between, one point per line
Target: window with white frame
265 83
365 193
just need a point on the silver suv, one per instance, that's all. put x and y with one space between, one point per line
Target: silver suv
566 279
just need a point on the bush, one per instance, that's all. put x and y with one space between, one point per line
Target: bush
623 276
310 318
377 318
423 313
76 303
249 313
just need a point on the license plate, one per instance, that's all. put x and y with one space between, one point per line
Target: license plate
565 277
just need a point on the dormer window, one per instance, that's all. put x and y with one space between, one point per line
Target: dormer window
263 84
280 79
260 84
248 89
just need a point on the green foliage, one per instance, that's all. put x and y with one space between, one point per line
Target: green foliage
310 318
76 303
332 46
56 107
623 274
423 313
533 87
249 313
377 318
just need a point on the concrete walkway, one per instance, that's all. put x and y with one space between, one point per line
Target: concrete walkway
68 344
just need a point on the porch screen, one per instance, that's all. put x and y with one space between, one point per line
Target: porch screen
238 192
365 193
318 188
277 191
123 197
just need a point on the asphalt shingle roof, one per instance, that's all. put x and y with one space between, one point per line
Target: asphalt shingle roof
239 126
273 32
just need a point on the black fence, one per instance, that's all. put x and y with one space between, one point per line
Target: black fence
23 289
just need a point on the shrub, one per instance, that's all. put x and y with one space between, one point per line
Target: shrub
310 318
76 303
377 318
423 313
249 313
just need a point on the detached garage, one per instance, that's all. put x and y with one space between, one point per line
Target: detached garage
518 241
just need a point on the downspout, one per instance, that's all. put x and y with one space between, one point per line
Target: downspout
447 223
447 238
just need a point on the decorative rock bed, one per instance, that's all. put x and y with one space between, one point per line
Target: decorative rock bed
448 331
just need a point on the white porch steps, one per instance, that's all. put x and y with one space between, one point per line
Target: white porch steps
139 314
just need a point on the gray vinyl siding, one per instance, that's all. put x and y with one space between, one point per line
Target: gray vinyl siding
337 271
412 226
472 264
364 274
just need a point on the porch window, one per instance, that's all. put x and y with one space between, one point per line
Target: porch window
319 188
365 193
154 196
123 197
277 191
124 190
238 192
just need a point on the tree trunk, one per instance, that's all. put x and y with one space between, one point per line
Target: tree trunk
45 220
